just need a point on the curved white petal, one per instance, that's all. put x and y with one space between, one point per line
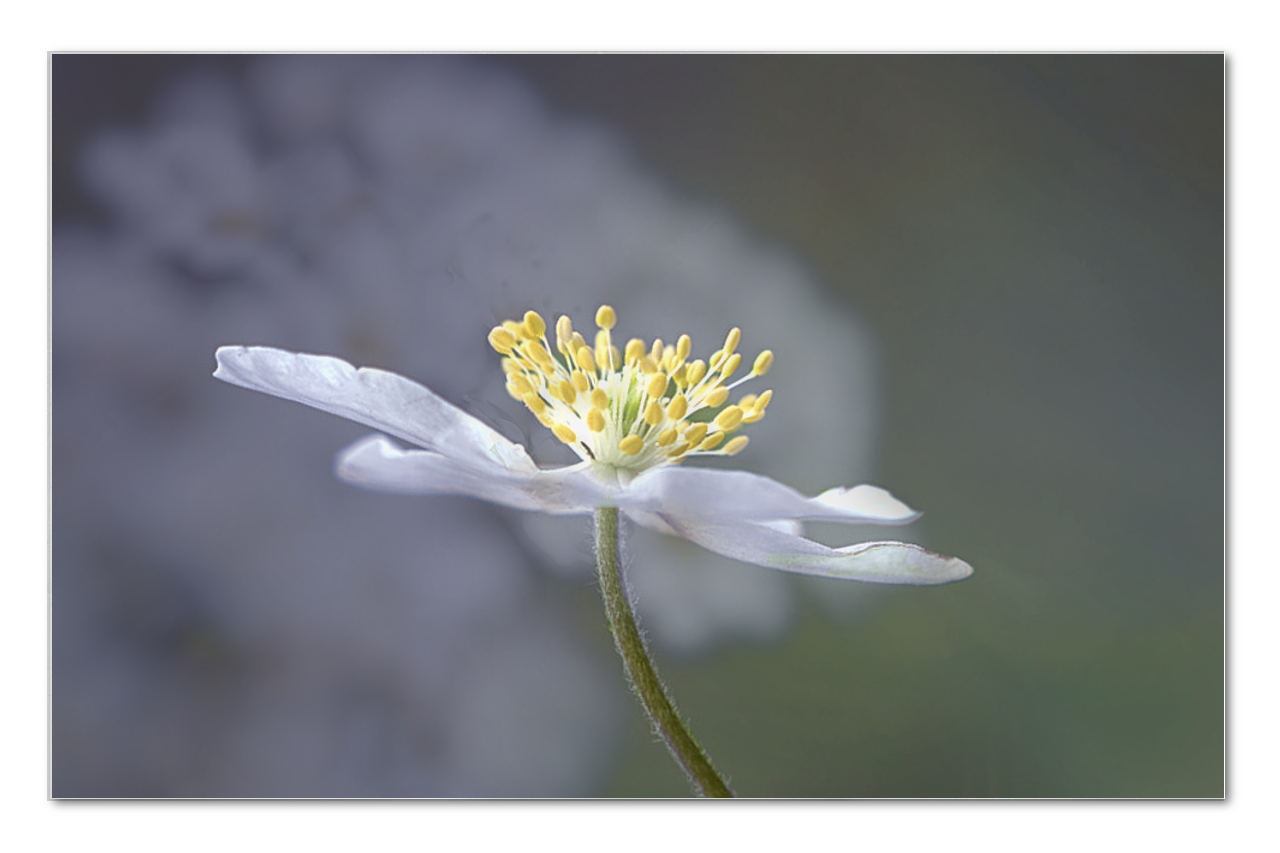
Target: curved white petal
375 462
375 398
742 496
767 545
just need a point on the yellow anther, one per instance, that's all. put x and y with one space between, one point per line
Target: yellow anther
679 375
678 451
520 383
577 341
695 433
537 352
668 360
534 325
564 330
752 416
678 407
747 401
606 317
502 340
732 339
697 369
653 413
762 402
510 365
565 434
716 358
716 397
657 385
631 445
729 418
595 420
712 441
656 352
735 446
565 391
683 345
634 350
580 381
647 365
584 359
536 404
731 365
599 398
763 362
666 437
516 329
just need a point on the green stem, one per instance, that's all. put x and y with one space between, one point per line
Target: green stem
639 667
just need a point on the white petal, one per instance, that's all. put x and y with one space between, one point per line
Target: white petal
873 562
375 462
375 398
738 495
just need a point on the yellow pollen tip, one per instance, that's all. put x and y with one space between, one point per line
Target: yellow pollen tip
762 401
631 445
565 391
732 339
647 365
595 420
763 362
716 358
712 441
666 437
564 329
695 433
729 419
534 325
599 399
502 340
678 451
537 352
656 352
747 401
653 413
580 381
697 369
606 317
731 365
510 365
521 383
634 350
565 434
657 385
735 445
679 406
683 345
584 359
536 404
717 397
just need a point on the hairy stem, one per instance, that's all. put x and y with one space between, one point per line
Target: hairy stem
639 667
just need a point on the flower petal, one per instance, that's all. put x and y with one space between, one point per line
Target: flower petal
375 462
375 398
769 546
742 496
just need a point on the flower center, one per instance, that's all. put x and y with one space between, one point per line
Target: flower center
636 409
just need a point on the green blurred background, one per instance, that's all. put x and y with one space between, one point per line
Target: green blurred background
1037 244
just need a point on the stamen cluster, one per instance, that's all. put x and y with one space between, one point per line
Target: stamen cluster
637 408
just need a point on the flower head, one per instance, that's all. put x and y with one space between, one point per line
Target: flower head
630 414
630 409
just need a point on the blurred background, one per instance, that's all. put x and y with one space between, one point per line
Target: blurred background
994 285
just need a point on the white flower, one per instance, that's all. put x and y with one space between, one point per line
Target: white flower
630 415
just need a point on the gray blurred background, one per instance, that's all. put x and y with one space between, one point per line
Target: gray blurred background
1011 268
